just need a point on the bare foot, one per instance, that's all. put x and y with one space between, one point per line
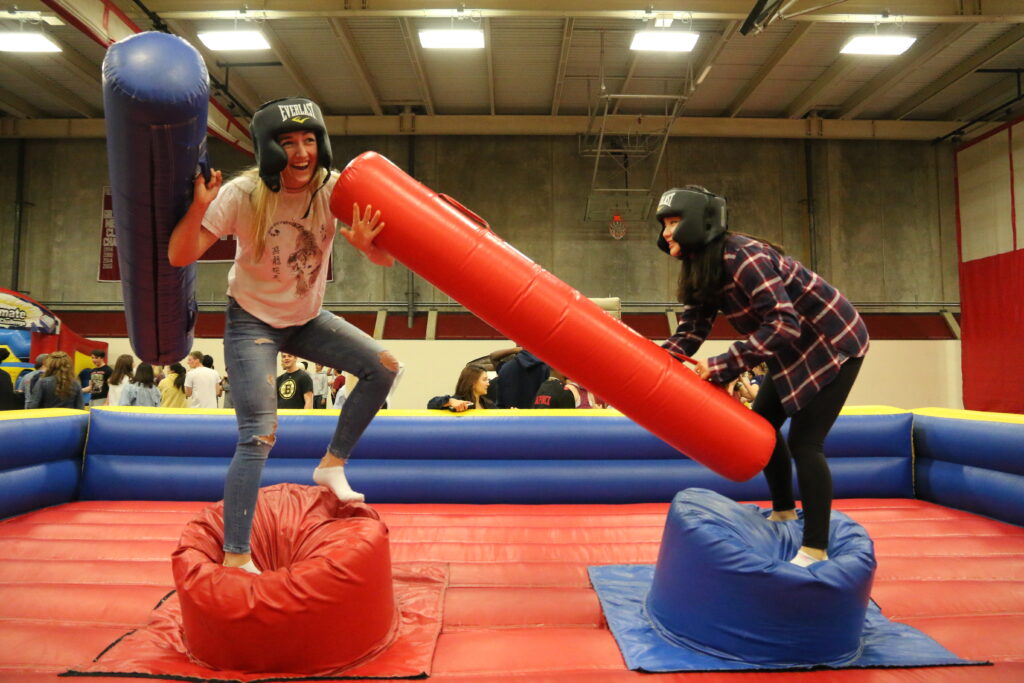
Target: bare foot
783 516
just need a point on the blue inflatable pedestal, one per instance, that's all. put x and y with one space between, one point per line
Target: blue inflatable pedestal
724 597
723 584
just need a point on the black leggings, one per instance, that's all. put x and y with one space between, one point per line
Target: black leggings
807 431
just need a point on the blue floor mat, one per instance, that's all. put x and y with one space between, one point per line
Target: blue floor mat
622 590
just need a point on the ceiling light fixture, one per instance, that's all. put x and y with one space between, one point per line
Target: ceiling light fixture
31 17
664 41
452 39
234 40
26 41
874 44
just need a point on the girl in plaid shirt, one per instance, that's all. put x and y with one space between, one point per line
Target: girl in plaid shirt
810 336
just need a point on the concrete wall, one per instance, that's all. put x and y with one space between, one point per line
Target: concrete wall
8 184
883 228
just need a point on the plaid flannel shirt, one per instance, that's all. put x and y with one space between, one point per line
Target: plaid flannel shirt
795 321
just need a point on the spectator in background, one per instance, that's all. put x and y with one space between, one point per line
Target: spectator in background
336 385
586 398
58 387
225 387
202 384
26 383
8 401
94 380
120 378
519 378
493 362
470 392
553 393
320 387
294 385
172 388
141 391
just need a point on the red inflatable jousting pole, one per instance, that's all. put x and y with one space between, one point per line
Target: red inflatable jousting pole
455 250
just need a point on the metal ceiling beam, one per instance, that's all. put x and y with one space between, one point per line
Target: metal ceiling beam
348 45
237 84
856 11
694 126
105 23
1003 90
417 63
17 107
634 59
794 36
288 62
563 62
490 63
917 56
44 84
707 60
811 95
965 68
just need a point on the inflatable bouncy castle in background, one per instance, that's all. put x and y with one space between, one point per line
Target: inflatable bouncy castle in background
27 329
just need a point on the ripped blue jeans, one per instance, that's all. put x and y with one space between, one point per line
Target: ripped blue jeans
250 353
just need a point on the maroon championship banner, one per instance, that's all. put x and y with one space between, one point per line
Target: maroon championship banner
110 271
221 251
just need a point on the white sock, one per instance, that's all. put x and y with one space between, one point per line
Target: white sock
249 567
334 479
802 559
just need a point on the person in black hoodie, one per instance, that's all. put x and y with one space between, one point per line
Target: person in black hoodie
519 379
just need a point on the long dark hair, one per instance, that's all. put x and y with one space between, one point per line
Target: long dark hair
179 376
144 375
122 370
703 276
464 386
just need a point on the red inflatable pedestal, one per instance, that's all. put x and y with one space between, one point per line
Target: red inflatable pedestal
455 250
324 601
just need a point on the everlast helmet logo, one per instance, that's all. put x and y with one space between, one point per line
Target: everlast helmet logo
666 199
296 110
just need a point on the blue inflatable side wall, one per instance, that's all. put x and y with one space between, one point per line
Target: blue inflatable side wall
156 137
518 458
971 460
40 458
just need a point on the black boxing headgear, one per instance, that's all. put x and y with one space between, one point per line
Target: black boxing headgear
702 217
285 116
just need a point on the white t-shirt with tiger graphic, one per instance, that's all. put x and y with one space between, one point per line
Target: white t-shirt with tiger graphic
286 286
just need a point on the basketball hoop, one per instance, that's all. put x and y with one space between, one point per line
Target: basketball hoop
616 228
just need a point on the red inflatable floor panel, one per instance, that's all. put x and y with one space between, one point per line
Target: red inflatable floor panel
519 606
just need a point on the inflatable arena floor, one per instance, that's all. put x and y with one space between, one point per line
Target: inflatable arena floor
513 522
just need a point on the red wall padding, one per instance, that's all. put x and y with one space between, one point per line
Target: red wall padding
992 328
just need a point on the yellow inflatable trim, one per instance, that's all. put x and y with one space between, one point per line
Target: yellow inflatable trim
976 415
38 412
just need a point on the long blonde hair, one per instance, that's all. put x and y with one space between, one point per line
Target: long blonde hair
264 204
58 366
